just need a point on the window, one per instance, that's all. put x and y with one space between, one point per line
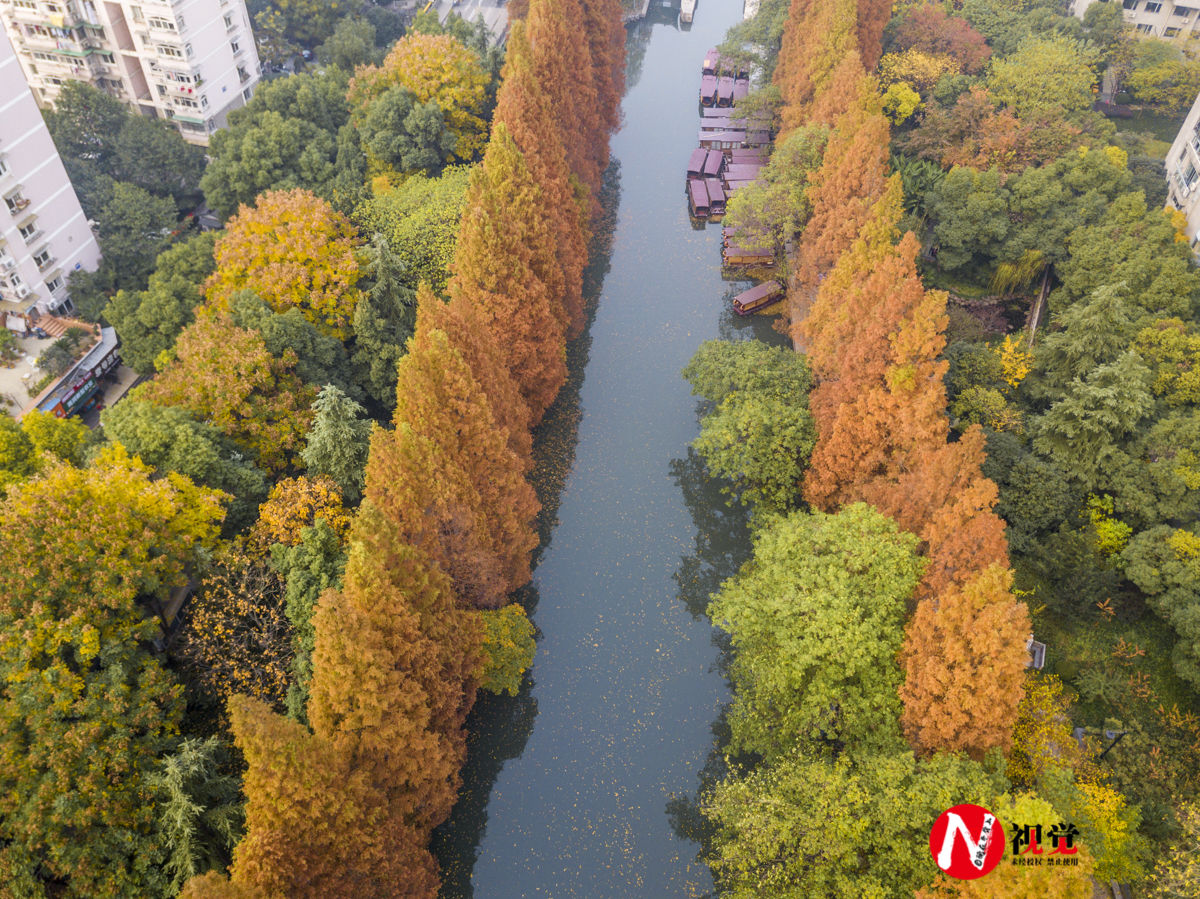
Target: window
1145 29
1130 4
54 284
1183 11
3 166
15 280
15 203
28 231
203 101
1170 32
160 23
228 21
25 4
136 12
236 47
186 103
173 52
188 49
108 58
42 258
1152 6
247 94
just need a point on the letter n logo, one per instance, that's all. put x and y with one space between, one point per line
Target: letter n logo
966 841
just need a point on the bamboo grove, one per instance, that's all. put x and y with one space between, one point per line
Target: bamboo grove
345 805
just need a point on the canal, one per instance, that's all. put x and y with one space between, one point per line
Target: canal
579 786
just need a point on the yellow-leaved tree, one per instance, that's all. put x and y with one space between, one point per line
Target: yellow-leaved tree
293 250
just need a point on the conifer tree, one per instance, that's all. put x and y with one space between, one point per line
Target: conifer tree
563 64
315 824
337 442
843 191
873 15
504 240
395 669
439 399
964 660
522 106
605 31
817 38
470 335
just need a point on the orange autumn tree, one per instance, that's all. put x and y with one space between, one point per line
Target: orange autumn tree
842 191
964 663
873 15
438 69
503 242
605 32
562 63
524 109
470 336
316 826
816 39
438 399
293 250
395 670
225 375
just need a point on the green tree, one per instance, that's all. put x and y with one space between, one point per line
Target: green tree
1083 431
1164 563
152 155
402 134
352 44
1137 246
420 221
1044 73
970 212
199 808
508 648
320 358
1089 333
857 826
761 433
148 321
1164 77
86 123
311 567
133 228
169 439
338 441
1177 872
61 437
816 620
85 713
384 320
286 137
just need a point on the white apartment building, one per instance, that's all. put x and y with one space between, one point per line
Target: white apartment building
1183 172
1157 18
44 235
189 61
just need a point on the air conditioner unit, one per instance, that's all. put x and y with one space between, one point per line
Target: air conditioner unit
23 291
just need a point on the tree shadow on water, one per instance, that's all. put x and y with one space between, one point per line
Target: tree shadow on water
497 730
499 726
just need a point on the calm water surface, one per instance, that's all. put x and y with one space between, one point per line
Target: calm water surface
577 787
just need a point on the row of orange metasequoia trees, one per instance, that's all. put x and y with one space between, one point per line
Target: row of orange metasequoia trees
345 806
874 337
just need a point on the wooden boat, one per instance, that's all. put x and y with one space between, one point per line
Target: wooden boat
748 156
698 198
716 197
724 91
712 62
723 124
757 138
741 88
713 164
712 112
736 172
695 168
708 90
687 9
734 256
732 186
759 297
722 140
